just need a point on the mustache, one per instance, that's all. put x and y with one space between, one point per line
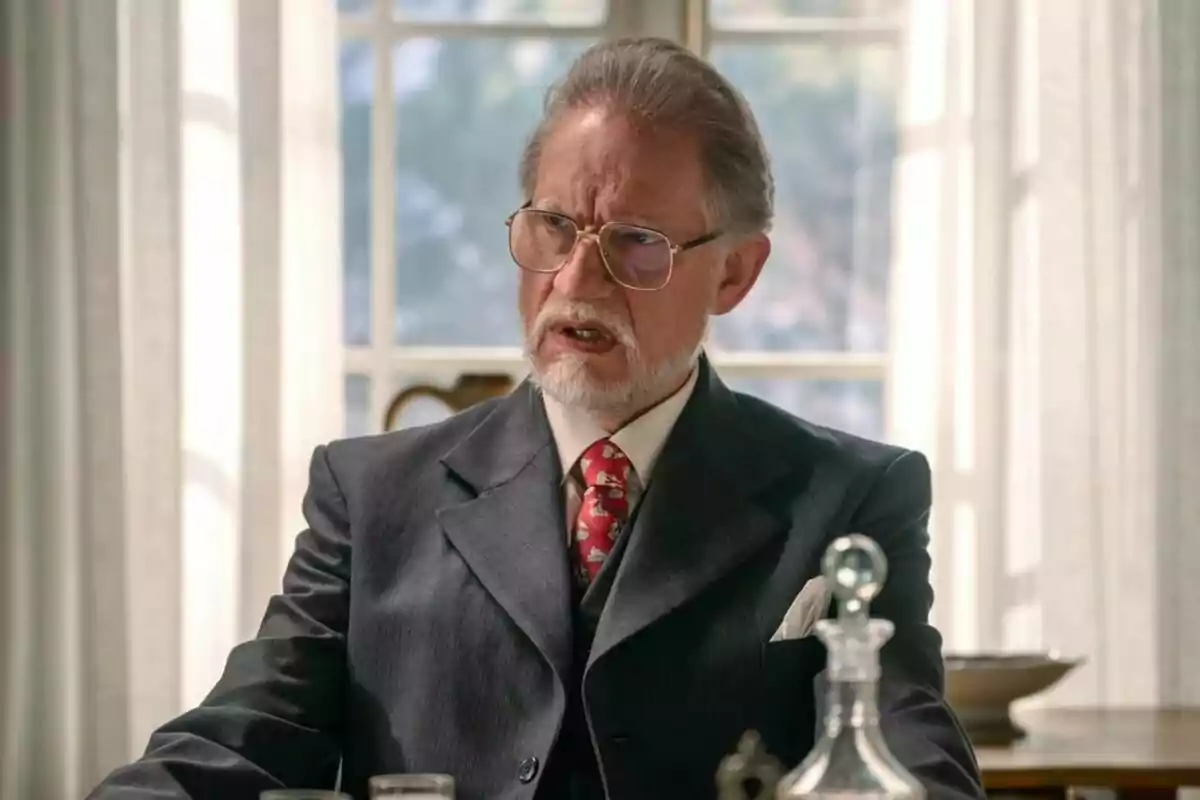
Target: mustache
568 313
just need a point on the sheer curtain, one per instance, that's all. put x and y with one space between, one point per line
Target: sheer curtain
1050 197
170 354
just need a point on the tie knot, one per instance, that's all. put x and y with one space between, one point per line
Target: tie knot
605 464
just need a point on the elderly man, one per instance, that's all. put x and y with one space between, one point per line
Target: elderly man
571 592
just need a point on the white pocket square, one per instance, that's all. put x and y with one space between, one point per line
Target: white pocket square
808 607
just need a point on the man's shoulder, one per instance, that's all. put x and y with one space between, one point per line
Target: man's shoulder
859 474
803 441
407 450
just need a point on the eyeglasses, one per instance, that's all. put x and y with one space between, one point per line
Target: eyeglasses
637 258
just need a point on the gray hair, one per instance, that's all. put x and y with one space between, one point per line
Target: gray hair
664 83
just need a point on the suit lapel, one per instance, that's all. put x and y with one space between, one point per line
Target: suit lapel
511 532
699 520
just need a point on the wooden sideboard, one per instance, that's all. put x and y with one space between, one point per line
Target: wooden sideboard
1141 754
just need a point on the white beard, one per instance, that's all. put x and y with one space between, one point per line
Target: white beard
568 380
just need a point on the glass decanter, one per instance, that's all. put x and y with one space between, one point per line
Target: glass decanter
850 760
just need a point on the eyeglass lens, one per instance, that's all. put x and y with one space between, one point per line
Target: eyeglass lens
637 257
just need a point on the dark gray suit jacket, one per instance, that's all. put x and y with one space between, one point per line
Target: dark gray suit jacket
425 621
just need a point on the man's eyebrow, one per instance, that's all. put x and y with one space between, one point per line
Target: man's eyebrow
624 219
546 205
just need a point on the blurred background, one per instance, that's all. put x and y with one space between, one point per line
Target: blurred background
236 229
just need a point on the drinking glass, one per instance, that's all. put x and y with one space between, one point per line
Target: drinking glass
302 794
412 787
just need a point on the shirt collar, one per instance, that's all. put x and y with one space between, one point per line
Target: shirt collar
641 440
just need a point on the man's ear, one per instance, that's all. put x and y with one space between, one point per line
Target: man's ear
743 264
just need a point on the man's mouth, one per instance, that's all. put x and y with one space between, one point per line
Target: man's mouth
586 335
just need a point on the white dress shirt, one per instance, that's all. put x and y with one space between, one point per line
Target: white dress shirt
641 440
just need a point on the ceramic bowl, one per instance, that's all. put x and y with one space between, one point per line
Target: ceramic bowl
981 689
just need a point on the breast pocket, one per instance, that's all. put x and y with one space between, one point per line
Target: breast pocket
793 661
788 703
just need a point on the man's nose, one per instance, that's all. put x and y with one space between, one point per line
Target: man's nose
584 276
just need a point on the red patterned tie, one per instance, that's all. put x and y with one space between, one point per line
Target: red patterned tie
605 506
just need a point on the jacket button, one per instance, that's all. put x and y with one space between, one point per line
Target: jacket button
528 770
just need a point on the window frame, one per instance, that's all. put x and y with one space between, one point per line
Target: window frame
383 361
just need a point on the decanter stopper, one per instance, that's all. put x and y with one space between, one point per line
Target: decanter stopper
851 760
856 569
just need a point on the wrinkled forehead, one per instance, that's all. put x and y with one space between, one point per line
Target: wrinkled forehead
600 166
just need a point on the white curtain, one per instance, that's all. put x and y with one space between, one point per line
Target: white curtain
171 249
1049 199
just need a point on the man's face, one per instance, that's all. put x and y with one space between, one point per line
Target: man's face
591 342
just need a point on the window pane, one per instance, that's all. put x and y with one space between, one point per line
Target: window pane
828 115
464 108
543 12
358 406
355 70
852 406
736 13
423 409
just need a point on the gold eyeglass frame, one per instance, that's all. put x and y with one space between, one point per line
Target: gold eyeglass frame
594 236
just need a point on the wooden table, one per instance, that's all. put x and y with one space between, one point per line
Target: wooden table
1140 754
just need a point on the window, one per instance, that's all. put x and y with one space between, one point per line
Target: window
437 99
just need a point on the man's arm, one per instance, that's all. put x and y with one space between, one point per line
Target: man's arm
275 718
919 727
